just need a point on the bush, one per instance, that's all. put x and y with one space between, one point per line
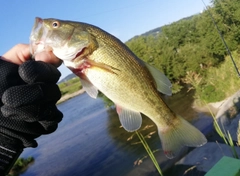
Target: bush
210 94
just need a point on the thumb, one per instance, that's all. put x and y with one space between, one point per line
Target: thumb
18 54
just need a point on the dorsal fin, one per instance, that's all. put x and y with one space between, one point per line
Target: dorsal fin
163 83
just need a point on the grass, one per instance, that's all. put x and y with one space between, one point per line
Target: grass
238 134
224 135
70 86
150 152
20 166
227 74
218 83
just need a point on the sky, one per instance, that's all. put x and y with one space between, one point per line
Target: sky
123 18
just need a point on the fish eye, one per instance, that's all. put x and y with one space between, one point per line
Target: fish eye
55 24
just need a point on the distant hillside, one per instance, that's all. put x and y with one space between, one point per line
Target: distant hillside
68 77
156 31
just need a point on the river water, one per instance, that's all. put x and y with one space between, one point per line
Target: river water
90 142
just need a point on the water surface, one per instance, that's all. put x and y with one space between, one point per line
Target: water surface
90 142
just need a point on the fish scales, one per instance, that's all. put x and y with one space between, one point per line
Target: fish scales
137 79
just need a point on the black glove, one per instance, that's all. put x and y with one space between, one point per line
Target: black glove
28 96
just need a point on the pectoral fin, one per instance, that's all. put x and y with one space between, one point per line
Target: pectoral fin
130 120
91 90
163 83
92 64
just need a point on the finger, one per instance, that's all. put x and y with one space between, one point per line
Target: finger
28 113
18 54
37 93
32 72
33 113
48 57
8 76
21 130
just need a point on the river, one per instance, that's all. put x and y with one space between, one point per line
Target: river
90 142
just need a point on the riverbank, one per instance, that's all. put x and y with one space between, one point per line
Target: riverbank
213 107
69 96
230 106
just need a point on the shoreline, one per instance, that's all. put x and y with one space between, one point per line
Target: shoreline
230 105
69 96
216 108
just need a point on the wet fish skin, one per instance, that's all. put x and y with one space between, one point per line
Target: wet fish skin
104 63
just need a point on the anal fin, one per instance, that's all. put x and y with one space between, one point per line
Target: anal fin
130 120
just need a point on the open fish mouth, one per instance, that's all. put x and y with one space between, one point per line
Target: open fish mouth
36 43
43 38
39 37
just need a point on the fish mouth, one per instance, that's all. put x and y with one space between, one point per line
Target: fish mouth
38 37
41 39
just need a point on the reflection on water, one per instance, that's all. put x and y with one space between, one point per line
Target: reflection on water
89 141
181 103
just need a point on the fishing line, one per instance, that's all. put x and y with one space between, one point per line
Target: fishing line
223 40
128 6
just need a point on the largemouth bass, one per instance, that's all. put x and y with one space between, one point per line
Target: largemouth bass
104 63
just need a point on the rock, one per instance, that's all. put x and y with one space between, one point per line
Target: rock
231 127
228 115
230 107
202 159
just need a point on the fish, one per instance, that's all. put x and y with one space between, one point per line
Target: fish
104 63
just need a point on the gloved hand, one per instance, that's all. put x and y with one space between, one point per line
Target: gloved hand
28 96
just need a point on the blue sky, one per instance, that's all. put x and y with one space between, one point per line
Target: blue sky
122 18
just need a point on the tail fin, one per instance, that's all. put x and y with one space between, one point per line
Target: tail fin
184 134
